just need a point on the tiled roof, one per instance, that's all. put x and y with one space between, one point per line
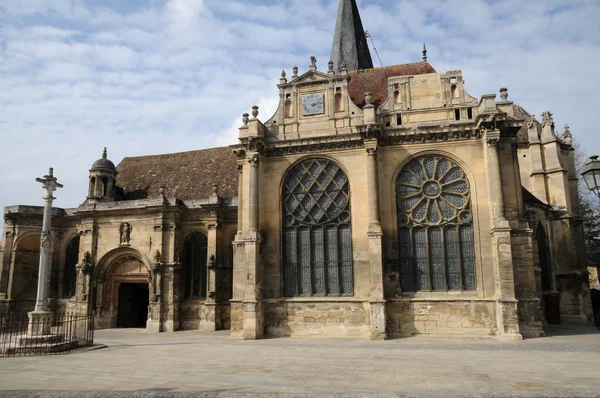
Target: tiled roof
185 175
376 80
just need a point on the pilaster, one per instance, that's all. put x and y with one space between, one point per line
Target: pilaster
506 304
375 235
212 317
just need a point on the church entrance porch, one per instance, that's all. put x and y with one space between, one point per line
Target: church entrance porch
122 294
133 305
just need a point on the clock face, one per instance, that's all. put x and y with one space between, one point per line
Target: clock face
313 104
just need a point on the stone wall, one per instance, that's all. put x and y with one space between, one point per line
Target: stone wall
460 317
304 318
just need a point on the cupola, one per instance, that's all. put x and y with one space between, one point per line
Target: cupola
102 179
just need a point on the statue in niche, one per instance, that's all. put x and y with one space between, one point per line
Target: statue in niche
125 233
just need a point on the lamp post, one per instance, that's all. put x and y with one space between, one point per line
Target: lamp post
591 175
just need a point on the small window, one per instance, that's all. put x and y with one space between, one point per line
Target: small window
470 113
399 120
457 114
454 91
339 103
104 186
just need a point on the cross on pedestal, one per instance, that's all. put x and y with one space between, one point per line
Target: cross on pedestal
40 319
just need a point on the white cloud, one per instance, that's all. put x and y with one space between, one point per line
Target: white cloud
176 75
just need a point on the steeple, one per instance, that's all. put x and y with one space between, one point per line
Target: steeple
349 41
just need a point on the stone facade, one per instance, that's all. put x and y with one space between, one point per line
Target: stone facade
375 203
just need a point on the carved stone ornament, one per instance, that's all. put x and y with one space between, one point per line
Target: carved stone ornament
86 266
255 111
547 119
245 119
157 257
295 72
567 136
313 61
125 233
211 261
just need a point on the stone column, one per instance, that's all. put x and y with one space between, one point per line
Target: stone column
98 186
211 320
253 316
240 168
153 324
253 195
377 303
40 318
506 304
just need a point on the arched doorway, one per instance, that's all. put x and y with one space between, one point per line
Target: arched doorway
122 293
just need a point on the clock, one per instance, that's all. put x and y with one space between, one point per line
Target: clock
313 104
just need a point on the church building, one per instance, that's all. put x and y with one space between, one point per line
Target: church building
376 203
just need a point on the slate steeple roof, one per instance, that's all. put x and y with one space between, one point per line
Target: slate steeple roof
349 41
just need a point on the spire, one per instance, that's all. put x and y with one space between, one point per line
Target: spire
349 41
424 53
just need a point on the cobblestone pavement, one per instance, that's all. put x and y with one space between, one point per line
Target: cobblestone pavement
178 364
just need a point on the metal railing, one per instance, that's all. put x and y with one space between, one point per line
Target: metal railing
20 336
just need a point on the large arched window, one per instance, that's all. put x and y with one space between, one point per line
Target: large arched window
317 239
70 271
194 266
435 226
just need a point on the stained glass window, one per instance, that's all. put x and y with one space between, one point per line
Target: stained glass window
317 239
435 226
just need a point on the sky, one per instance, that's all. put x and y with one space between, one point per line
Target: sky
145 77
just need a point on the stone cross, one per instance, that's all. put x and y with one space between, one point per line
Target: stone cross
50 184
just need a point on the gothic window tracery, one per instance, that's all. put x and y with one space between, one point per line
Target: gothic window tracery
317 241
194 266
435 226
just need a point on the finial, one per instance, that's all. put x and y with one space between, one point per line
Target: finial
283 74
504 94
161 191
330 66
51 172
343 65
368 98
255 111
547 119
245 119
215 190
424 53
283 80
313 61
295 72
567 136
104 153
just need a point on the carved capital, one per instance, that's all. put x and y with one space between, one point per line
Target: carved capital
371 151
492 141
214 226
253 160
240 152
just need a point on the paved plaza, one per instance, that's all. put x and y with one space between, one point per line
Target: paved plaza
135 363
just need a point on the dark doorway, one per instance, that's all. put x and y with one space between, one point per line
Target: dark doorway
133 305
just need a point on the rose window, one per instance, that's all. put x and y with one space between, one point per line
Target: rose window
435 226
